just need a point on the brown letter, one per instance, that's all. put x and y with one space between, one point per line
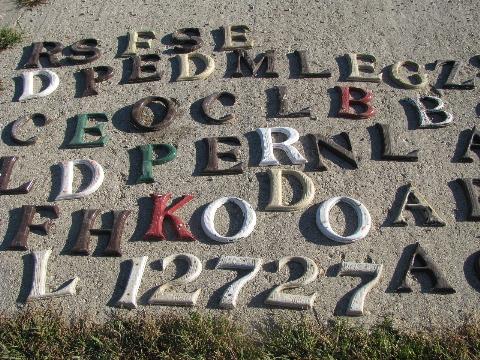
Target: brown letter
440 284
344 153
189 38
214 156
305 68
20 122
473 144
387 152
7 165
138 108
268 57
51 48
412 200
104 73
138 68
28 212
115 233
284 111
471 194
208 103
86 48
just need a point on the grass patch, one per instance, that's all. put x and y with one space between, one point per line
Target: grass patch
9 37
46 335
30 3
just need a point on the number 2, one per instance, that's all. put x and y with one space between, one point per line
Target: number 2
278 298
162 297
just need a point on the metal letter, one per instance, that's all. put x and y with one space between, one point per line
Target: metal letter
104 73
454 66
189 38
133 42
364 221
171 106
425 121
82 245
6 172
268 157
160 213
39 279
276 198
28 92
254 66
184 60
284 111
387 151
412 200
323 142
347 102
473 144
28 212
18 124
208 103
208 220
471 194
66 192
51 49
421 80
148 161
440 286
138 69
237 34
305 68
214 156
360 72
86 48
78 140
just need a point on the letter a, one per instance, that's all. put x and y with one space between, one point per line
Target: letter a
412 200
440 284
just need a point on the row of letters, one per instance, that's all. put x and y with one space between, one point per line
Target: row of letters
362 66
411 200
158 154
250 267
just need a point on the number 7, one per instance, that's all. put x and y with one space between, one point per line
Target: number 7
230 296
355 305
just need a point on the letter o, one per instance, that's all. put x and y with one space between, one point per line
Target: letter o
208 218
363 218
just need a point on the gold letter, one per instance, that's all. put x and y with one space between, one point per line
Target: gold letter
234 33
366 67
184 60
308 190
133 41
